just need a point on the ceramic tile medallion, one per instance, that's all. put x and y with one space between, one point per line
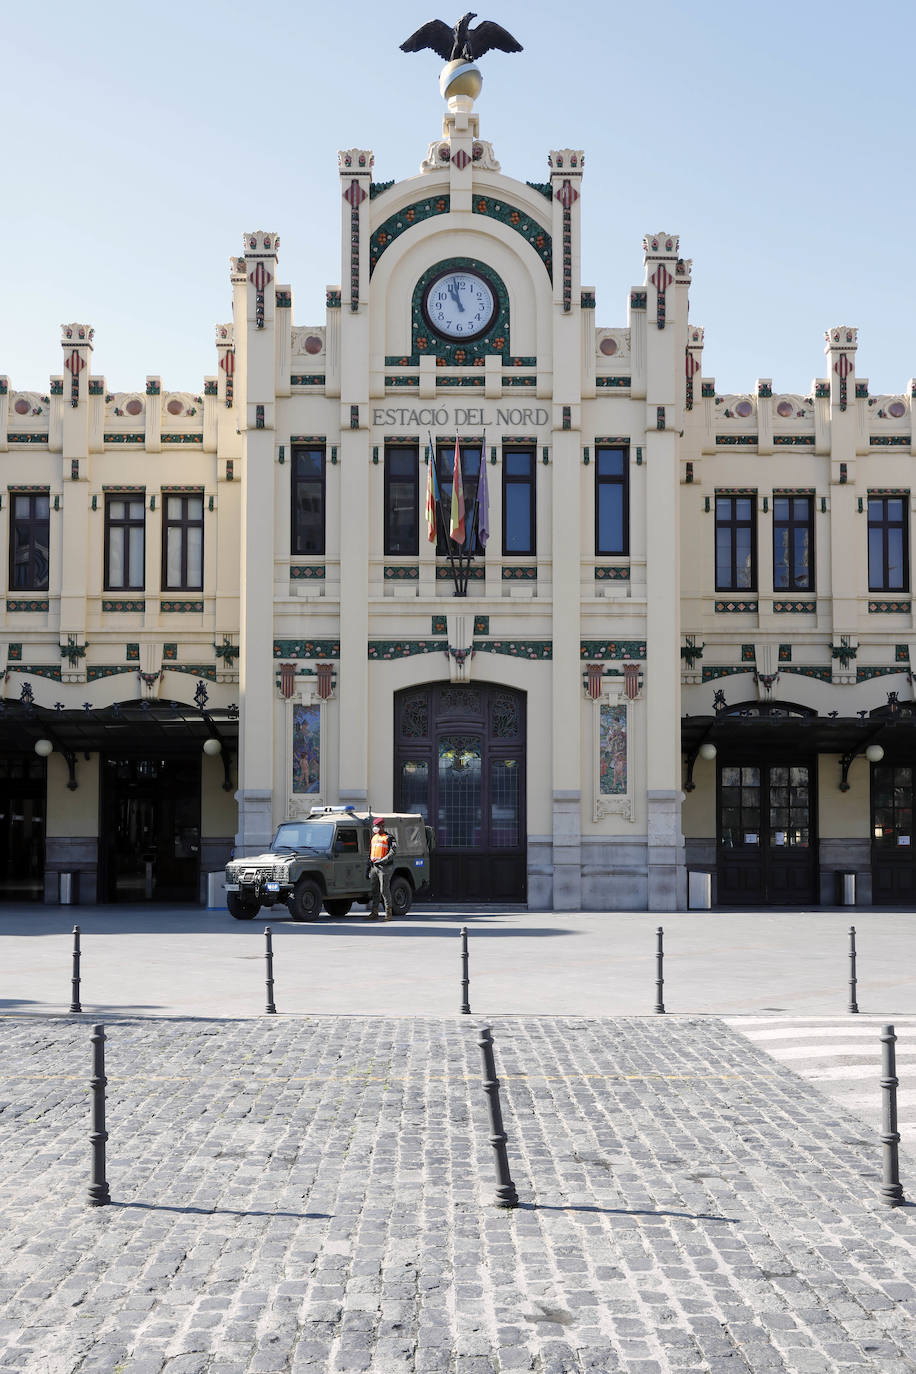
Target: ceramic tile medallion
306 749
612 753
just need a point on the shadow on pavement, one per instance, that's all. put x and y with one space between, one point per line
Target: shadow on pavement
623 1211
219 1211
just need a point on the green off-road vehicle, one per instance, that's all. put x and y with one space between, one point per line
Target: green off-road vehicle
324 861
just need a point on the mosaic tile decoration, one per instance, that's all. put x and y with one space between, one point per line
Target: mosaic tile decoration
710 673
736 440
889 440
96 672
747 654
170 653
440 625
31 606
403 648
736 607
307 572
27 438
180 607
638 300
612 574
139 439
474 574
785 653
540 649
519 574
306 749
182 438
123 607
481 624
521 222
204 670
307 379
621 383
132 653
793 440
901 653
604 649
867 673
819 674
457 353
50 670
395 225
14 653
399 573
306 648
794 607
612 750
886 607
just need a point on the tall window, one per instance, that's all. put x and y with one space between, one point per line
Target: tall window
470 470
125 543
793 543
308 505
736 544
183 543
30 521
612 501
519 501
402 502
888 537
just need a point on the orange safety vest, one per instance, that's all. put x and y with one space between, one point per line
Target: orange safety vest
378 850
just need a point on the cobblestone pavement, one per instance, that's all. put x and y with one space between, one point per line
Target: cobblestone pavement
316 1195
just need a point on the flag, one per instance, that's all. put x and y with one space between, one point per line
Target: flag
483 498
432 495
456 524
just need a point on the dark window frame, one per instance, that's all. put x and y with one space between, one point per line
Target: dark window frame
320 483
125 524
792 523
184 523
734 523
621 481
413 452
883 527
445 463
529 480
34 582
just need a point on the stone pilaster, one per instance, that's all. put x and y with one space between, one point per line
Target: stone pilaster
76 341
848 542
254 307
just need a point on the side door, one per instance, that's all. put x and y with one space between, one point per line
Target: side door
350 860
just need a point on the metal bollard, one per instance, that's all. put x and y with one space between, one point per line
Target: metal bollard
75 979
506 1196
659 968
891 1190
270 1009
465 980
98 1189
853 1004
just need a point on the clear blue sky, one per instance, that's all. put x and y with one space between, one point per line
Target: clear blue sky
141 141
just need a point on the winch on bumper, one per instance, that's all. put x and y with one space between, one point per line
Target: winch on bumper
265 886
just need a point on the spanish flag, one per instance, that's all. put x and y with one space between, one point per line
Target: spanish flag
456 525
432 495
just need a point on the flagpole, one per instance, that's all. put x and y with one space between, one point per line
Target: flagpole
433 458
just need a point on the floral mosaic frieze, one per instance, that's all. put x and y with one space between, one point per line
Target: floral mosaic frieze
872 671
622 383
403 648
307 379
306 648
603 649
711 671
819 674
27 438
395 225
531 231
50 670
97 672
793 440
204 670
889 440
540 649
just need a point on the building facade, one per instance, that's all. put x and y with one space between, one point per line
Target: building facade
691 618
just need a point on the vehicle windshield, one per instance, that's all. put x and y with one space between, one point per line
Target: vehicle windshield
304 835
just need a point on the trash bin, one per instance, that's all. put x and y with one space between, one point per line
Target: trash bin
69 889
216 891
699 891
846 889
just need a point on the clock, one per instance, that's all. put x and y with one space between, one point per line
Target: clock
459 305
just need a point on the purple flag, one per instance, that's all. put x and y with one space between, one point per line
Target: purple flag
483 499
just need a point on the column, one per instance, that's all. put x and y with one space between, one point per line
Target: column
76 341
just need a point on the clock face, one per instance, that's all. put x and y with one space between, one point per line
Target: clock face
460 305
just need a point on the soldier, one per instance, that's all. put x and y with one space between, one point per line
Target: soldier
381 856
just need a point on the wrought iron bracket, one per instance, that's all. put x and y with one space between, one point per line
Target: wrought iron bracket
847 760
689 784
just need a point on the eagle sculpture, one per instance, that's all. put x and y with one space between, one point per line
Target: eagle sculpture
461 42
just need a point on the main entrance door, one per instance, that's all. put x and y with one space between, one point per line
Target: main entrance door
893 857
150 839
460 762
766 840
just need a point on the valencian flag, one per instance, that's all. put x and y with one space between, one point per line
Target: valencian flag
483 498
432 496
456 524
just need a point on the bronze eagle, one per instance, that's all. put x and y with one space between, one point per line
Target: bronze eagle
461 41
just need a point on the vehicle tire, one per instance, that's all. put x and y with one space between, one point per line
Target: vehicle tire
401 895
241 910
305 903
337 906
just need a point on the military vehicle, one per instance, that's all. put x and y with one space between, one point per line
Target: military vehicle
323 860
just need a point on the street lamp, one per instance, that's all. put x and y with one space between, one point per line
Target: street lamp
708 750
874 753
43 747
212 747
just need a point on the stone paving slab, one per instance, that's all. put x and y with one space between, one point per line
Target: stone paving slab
315 1194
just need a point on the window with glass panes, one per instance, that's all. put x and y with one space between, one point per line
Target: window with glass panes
307 535
519 501
793 543
612 501
739 807
182 542
402 501
125 543
736 544
30 534
888 537
892 806
470 472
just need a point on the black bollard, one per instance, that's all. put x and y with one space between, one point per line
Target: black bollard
853 1004
506 1196
270 1009
98 1188
465 980
659 967
75 979
891 1190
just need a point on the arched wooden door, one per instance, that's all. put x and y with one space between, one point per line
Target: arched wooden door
460 761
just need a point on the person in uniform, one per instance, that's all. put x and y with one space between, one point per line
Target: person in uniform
381 857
